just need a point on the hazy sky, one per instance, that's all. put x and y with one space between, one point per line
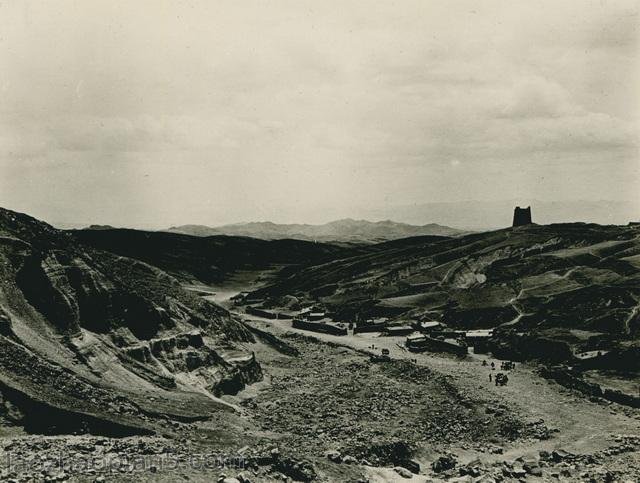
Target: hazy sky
157 113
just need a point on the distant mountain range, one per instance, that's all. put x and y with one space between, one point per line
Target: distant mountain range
451 218
478 215
346 230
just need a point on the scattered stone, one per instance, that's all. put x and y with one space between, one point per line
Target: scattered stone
244 478
299 470
461 479
349 460
334 456
485 479
518 472
537 471
472 468
444 463
560 455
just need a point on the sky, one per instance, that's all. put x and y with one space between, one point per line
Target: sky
155 113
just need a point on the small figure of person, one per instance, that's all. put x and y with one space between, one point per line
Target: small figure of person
489 377
493 366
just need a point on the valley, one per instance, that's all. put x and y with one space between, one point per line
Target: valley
304 241
139 355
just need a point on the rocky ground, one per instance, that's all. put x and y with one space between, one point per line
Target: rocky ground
325 412
332 398
439 408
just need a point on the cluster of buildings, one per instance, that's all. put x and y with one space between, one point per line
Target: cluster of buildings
434 336
420 336
314 318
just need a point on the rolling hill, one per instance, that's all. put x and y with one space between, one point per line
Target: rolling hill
583 279
211 259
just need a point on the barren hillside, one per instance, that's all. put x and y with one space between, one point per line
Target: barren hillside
208 259
567 277
94 341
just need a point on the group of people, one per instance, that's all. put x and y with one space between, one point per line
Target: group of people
500 378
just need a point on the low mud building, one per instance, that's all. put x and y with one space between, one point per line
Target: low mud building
423 343
479 340
398 330
322 326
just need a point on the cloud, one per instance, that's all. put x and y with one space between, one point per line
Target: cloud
111 134
535 97
365 101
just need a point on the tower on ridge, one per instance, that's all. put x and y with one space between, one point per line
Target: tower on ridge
522 216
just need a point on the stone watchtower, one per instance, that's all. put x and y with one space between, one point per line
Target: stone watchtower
522 216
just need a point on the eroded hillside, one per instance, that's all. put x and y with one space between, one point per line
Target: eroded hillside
564 277
90 340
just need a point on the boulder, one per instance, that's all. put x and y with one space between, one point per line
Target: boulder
349 460
560 455
411 465
405 473
334 456
444 463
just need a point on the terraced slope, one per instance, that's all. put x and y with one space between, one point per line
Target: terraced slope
90 340
564 276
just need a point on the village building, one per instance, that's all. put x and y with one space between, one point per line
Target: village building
398 330
312 313
428 326
479 340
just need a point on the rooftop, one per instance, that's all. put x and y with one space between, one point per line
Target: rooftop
479 333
